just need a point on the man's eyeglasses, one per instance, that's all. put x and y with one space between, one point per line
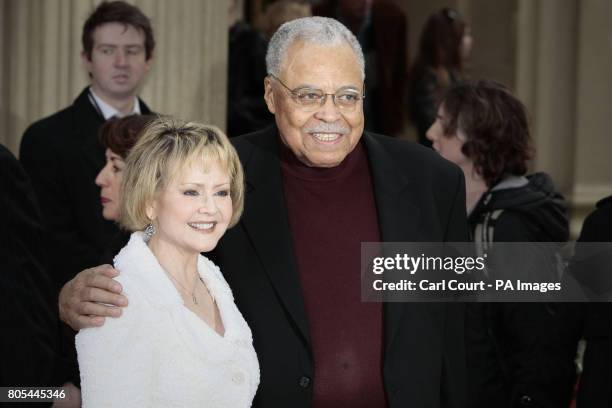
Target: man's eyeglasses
310 99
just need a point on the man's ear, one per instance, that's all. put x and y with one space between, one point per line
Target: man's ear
148 62
269 95
86 61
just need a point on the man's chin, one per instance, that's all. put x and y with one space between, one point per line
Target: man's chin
323 160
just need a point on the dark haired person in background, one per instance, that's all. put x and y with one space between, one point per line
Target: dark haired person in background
483 128
62 153
29 323
380 27
596 379
444 46
246 70
118 136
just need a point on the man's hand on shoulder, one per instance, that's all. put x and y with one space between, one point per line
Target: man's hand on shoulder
91 296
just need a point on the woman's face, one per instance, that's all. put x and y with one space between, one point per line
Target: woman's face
448 145
192 212
109 181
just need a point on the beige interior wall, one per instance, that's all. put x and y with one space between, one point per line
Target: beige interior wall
41 70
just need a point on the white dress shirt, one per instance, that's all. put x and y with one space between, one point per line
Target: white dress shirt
109 111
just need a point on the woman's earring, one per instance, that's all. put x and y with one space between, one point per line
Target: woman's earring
149 232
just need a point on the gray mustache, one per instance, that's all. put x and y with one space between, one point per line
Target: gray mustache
327 128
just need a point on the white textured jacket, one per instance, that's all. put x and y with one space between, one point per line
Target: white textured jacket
159 353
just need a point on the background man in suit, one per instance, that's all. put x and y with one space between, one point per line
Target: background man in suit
62 154
317 187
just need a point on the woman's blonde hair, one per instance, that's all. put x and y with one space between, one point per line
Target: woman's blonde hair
165 147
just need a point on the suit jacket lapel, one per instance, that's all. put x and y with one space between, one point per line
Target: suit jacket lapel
265 221
87 121
398 213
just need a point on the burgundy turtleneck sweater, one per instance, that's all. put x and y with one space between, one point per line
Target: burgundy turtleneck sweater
331 211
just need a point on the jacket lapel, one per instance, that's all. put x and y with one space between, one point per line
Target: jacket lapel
398 213
87 121
265 221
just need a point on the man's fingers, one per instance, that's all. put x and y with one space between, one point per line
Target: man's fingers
101 277
83 322
81 301
92 294
107 270
90 309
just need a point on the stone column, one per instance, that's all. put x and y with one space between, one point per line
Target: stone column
546 82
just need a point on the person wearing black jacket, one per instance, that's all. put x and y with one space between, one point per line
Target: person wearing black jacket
596 378
246 108
483 128
535 343
29 321
62 153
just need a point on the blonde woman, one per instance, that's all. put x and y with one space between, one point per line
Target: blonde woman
181 341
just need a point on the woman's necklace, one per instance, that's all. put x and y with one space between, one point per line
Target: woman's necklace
195 283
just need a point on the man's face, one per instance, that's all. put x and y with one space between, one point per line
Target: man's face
322 137
118 61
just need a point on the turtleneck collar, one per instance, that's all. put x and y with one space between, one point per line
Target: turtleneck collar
293 167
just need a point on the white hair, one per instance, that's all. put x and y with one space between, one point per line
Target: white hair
318 30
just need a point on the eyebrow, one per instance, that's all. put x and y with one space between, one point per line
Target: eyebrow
124 45
342 88
202 185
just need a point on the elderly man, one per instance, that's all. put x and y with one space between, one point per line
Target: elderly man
318 186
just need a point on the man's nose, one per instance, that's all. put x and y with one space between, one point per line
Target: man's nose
120 58
328 112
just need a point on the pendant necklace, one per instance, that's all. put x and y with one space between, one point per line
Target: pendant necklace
193 296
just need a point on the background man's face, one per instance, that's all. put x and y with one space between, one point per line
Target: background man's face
325 136
118 61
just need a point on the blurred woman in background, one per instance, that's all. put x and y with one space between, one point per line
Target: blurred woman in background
118 136
445 44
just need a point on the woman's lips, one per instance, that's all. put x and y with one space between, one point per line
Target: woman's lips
104 200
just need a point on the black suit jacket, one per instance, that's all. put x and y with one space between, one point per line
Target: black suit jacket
62 155
597 372
420 197
28 322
